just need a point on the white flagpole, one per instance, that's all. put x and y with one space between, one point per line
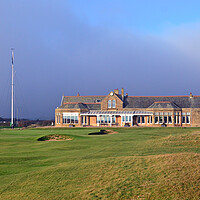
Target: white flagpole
12 94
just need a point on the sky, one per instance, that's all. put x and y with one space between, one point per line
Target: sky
148 47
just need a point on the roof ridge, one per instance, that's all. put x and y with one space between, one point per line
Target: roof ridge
118 97
137 96
79 103
163 102
164 96
88 96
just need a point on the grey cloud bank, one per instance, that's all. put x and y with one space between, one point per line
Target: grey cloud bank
57 53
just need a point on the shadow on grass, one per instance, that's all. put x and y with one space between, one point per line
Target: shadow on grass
101 132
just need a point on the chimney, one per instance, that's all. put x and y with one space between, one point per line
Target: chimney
122 93
126 94
191 95
78 94
116 91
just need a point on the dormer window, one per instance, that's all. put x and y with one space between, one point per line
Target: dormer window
114 104
109 103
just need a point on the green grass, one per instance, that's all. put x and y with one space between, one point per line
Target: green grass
135 163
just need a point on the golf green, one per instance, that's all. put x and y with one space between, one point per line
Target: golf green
126 163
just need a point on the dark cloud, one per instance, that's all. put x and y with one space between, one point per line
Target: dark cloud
57 53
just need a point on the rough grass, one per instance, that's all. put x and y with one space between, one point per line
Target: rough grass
186 140
135 163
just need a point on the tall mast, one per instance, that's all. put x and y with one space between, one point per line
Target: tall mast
12 94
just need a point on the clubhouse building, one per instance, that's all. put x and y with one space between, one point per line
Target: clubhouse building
120 110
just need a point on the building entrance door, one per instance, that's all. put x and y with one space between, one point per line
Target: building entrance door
134 120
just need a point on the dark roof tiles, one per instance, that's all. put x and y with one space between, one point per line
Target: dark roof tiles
145 102
163 104
92 106
93 102
83 99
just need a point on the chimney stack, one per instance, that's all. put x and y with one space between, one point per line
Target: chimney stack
191 95
78 94
126 94
122 93
116 91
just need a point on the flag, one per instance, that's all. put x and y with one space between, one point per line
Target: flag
12 57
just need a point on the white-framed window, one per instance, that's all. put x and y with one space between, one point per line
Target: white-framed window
138 119
109 103
188 118
114 104
114 119
149 119
106 119
160 117
58 118
176 117
98 119
126 118
70 118
185 118
156 117
143 119
163 117
84 120
170 118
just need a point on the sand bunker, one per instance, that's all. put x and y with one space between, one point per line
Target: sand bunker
54 137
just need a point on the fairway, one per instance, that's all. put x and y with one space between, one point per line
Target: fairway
130 163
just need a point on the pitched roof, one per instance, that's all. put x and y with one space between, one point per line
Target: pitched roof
163 104
93 102
145 102
76 105
82 99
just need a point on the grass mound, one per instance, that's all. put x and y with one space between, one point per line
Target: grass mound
170 176
191 139
102 132
54 137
